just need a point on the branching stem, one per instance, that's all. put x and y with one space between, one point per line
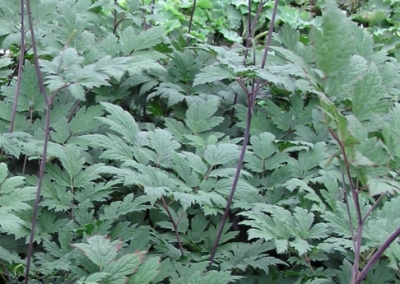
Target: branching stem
252 97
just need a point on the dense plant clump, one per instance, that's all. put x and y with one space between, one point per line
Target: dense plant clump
126 127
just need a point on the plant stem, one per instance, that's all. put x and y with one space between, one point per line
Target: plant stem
377 255
191 20
20 64
252 97
174 224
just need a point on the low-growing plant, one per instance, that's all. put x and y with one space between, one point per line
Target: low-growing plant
132 152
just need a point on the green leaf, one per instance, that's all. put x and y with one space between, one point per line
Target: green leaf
196 163
110 45
123 267
200 116
312 158
61 131
304 228
149 38
379 186
162 142
282 119
55 195
348 77
211 74
76 90
30 97
5 61
174 93
72 161
119 208
121 122
93 278
368 93
100 251
10 223
13 201
184 172
333 45
310 193
3 172
198 225
221 154
87 115
205 4
147 271
242 256
263 145
116 148
146 39
289 37
176 128
9 256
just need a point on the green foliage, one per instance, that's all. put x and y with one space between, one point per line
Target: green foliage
13 200
145 130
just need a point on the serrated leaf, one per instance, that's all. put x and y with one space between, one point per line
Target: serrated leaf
71 160
221 154
123 267
119 208
121 122
147 271
282 119
301 246
127 40
149 38
3 171
242 256
10 223
30 95
76 90
60 132
115 147
196 163
155 193
100 250
200 116
56 197
110 45
9 256
198 225
87 115
368 93
294 183
289 36
263 145
304 223
174 93
185 173
348 77
334 44
162 142
312 158
211 74
379 186
5 61
227 172
93 278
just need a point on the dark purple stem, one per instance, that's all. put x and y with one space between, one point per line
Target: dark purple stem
245 141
